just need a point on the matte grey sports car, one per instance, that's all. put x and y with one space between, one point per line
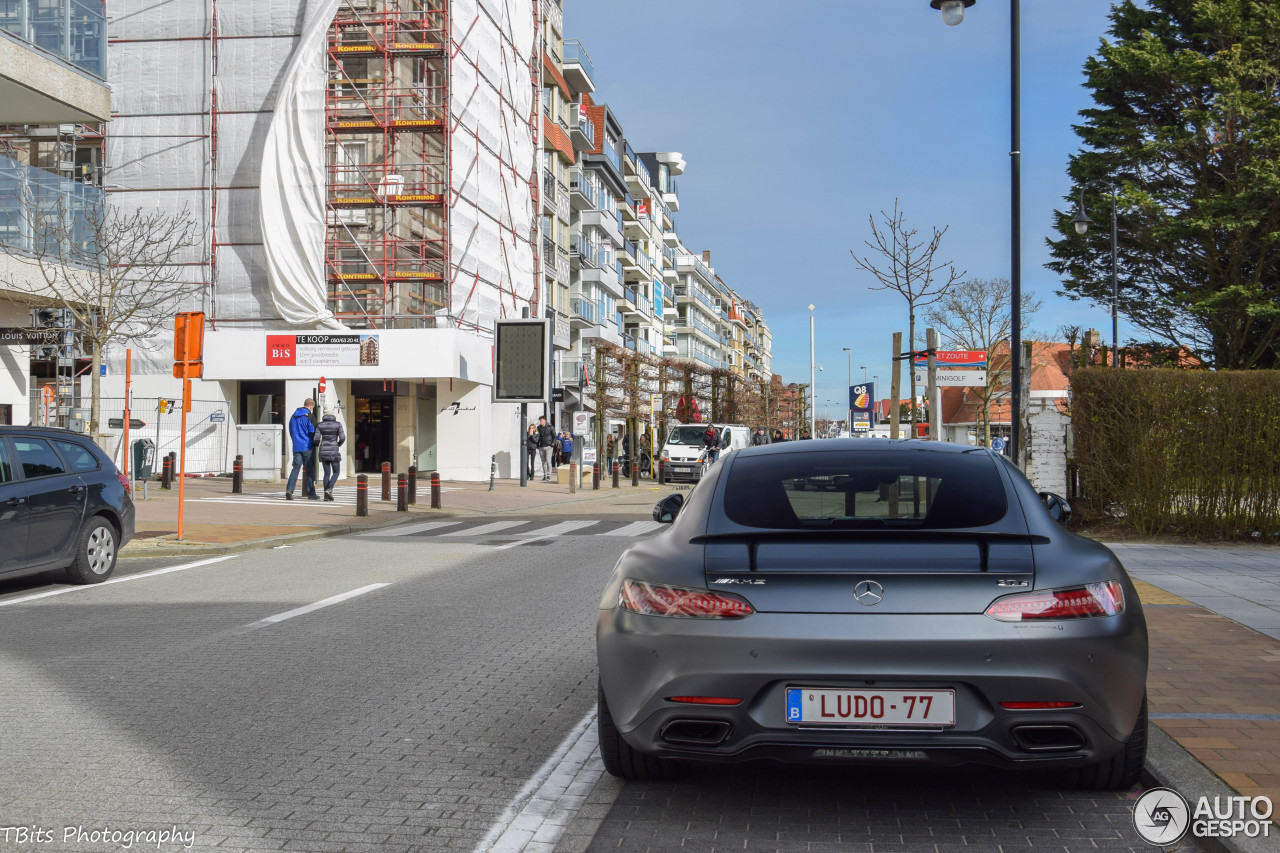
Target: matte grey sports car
923 606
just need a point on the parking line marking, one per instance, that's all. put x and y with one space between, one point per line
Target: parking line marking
308 608
410 529
485 529
557 529
138 576
551 797
635 528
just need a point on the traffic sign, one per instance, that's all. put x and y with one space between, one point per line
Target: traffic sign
320 387
954 358
118 423
218 417
956 378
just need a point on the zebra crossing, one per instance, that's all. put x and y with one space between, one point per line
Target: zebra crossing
344 495
516 529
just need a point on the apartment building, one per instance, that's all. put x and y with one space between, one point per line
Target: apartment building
566 76
53 99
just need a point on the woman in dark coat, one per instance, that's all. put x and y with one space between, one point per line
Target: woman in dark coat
331 437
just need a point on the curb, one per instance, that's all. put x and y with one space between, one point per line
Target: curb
206 548
1169 765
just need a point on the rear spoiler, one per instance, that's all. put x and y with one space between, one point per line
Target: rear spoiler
983 538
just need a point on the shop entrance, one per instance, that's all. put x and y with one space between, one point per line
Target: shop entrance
373 435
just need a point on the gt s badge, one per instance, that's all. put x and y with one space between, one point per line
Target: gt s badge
740 581
1007 582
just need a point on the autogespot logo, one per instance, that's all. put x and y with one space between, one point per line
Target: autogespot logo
1161 816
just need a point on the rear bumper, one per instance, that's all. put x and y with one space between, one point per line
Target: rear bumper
1099 664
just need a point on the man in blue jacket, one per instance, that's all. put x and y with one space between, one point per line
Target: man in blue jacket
302 432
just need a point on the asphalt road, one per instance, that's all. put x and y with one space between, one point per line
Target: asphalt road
440 698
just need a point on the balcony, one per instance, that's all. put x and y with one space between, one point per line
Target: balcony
571 372
28 194
670 196
584 253
582 312
578 70
582 195
55 62
691 263
74 31
637 173
630 262
582 131
627 207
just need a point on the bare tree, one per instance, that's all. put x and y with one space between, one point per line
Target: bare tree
907 264
117 272
977 314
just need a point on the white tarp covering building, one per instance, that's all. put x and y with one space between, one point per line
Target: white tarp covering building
229 109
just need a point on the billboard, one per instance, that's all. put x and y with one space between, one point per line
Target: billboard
522 356
323 350
862 404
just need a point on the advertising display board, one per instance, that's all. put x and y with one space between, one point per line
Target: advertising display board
521 361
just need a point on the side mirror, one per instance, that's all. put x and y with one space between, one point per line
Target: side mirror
1059 509
666 510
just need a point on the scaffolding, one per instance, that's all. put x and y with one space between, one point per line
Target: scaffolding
387 133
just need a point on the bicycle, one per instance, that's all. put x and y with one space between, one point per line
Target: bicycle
706 463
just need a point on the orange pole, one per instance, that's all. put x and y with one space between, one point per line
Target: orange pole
182 451
128 379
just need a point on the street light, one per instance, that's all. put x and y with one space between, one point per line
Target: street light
952 14
1082 223
952 10
813 389
849 411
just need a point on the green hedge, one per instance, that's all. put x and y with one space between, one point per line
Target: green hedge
1191 452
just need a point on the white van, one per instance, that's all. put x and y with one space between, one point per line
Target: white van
684 446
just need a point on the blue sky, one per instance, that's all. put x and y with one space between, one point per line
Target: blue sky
799 119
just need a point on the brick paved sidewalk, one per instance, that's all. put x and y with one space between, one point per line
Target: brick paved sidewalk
1214 683
215 518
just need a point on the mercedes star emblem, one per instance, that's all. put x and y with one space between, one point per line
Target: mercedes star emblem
868 593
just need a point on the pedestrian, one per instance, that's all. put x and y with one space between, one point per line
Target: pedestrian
804 436
302 433
531 446
611 450
759 439
566 446
555 449
778 436
331 437
546 437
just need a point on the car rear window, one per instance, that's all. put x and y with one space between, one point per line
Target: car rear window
865 489
37 458
78 457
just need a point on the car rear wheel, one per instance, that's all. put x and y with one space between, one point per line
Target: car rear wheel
1123 769
623 761
95 552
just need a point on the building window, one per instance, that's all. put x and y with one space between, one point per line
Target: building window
6 414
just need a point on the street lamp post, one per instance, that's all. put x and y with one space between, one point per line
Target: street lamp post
848 413
813 389
1082 223
952 14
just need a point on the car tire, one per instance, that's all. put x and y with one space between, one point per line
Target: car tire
623 761
1122 770
96 551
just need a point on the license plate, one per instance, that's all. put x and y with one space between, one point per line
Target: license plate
683 469
828 707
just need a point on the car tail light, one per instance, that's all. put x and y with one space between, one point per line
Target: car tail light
1037 706
1077 602
655 599
705 700
124 481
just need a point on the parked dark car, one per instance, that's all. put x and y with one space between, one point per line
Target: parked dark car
63 505
925 607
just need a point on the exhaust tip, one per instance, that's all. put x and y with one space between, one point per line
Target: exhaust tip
696 732
1047 738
